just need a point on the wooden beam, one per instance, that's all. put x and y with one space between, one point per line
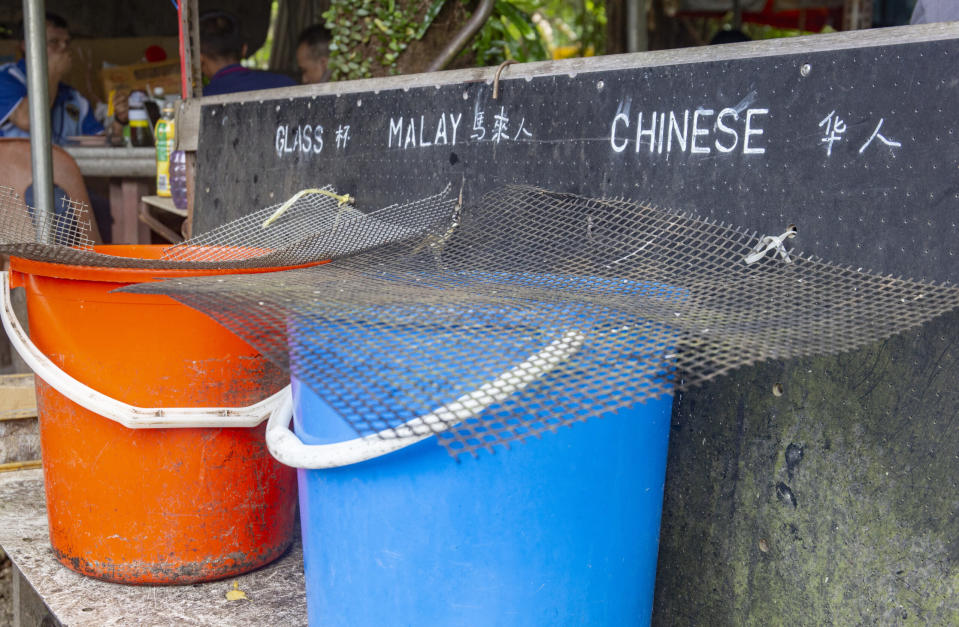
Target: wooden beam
18 398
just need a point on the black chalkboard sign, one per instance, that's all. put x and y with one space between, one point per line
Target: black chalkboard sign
819 491
856 147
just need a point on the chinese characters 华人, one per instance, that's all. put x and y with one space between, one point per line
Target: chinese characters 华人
835 128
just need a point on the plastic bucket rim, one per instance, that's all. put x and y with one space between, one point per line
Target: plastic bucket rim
113 274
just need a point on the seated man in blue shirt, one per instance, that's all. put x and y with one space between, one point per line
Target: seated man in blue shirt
221 48
70 113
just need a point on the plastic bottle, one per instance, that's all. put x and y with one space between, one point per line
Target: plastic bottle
164 134
140 132
178 178
153 112
154 103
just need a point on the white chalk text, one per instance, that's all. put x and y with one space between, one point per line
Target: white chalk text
304 139
423 131
699 131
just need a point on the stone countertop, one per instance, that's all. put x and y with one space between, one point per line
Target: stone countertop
276 592
110 161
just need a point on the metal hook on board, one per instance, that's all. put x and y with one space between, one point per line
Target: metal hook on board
772 242
499 71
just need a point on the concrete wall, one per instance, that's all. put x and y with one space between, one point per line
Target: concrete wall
834 503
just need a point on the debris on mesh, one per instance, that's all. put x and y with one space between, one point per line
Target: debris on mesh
310 227
534 309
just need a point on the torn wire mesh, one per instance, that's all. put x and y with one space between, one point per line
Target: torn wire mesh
591 305
312 226
69 225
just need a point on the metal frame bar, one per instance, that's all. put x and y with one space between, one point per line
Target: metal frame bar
41 156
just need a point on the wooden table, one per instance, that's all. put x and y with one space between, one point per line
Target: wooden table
46 592
132 174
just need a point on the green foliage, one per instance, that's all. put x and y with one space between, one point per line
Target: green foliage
260 59
369 31
368 34
570 28
510 33
533 30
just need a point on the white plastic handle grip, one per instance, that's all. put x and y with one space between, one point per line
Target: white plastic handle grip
127 415
290 450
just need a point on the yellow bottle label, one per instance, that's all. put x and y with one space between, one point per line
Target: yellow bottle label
164 134
163 179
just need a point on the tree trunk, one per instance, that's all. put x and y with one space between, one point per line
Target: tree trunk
372 41
292 17
615 26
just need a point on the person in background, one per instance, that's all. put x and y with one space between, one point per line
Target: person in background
313 54
221 48
929 11
70 113
729 36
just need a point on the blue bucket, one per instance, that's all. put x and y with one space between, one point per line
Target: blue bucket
563 529
560 529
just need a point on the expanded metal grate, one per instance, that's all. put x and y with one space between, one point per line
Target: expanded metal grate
69 225
534 309
312 226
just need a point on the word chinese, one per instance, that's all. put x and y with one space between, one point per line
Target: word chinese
698 132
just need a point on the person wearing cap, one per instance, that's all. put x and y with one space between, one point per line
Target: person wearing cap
221 48
313 54
70 113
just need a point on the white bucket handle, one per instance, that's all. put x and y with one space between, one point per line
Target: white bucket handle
129 416
290 450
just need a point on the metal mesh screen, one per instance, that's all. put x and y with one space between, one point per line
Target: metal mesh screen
533 310
311 226
68 226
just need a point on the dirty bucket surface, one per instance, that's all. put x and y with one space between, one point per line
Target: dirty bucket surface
151 506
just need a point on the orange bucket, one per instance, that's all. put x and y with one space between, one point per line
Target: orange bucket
152 505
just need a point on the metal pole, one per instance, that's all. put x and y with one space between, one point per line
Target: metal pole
637 39
35 34
192 78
